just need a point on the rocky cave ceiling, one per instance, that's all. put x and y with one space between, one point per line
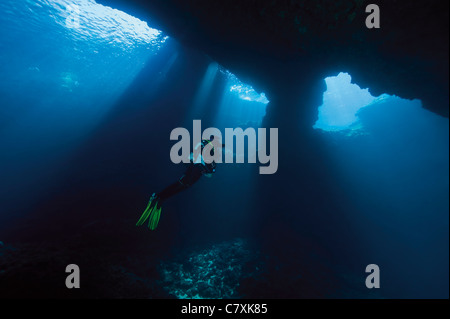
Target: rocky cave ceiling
280 46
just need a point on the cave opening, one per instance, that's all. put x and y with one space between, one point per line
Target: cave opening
341 102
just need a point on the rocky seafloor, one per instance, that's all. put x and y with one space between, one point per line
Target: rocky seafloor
215 272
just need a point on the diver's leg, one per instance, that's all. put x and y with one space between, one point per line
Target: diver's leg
192 175
171 190
153 210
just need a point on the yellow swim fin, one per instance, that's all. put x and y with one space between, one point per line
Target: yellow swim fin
154 217
151 206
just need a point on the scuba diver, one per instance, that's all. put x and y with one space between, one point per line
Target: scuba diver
196 169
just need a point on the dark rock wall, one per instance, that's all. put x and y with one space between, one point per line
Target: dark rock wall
278 44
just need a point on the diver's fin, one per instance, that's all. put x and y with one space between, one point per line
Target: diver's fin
154 217
145 215
150 207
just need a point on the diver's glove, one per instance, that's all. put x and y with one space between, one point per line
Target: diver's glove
152 213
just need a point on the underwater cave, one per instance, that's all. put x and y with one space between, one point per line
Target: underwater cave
91 91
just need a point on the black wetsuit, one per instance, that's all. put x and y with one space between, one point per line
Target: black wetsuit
191 176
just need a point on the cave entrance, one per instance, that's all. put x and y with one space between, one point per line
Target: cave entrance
341 102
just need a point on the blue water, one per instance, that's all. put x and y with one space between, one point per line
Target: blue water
88 98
